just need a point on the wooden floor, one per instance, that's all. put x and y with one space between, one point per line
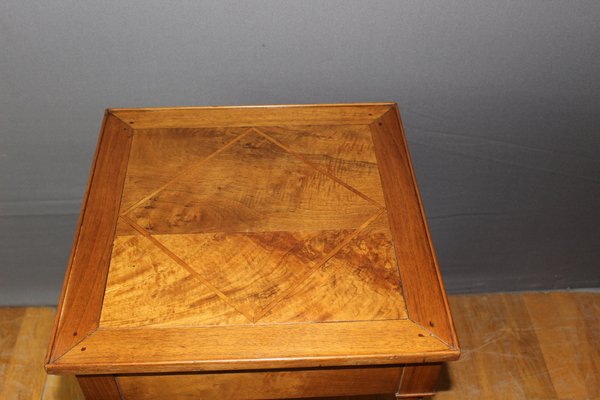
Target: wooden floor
515 346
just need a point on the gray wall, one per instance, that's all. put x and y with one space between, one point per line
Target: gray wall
500 100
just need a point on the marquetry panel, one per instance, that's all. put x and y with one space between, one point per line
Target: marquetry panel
252 186
158 155
267 225
343 151
360 282
272 261
151 289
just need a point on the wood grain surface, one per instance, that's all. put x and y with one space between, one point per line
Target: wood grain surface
24 334
62 387
502 349
262 385
148 169
223 222
360 282
571 352
526 346
153 290
252 186
344 152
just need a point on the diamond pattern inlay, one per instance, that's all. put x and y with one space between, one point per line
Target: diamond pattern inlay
266 225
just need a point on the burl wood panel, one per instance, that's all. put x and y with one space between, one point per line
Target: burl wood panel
238 225
262 385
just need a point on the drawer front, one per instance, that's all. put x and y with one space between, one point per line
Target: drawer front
261 385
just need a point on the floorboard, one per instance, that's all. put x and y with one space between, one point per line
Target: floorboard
515 346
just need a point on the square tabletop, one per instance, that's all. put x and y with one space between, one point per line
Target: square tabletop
229 238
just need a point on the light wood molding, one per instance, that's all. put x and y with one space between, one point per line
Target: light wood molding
421 279
249 116
83 291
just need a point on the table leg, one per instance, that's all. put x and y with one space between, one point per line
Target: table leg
419 381
99 387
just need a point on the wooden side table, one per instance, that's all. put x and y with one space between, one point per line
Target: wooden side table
252 253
